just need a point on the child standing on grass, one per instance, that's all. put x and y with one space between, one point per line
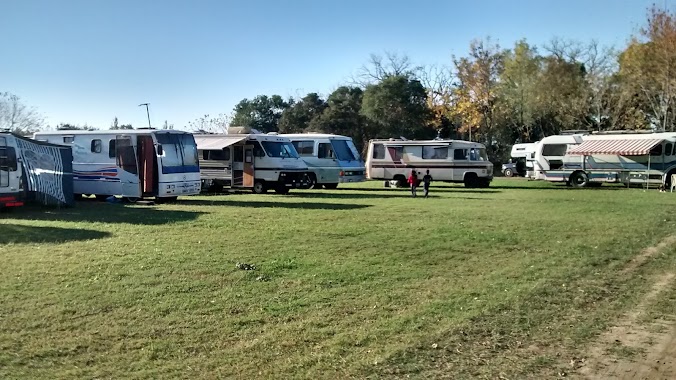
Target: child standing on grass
427 179
413 181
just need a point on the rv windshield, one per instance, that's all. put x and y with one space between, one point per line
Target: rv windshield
280 149
179 153
478 154
343 151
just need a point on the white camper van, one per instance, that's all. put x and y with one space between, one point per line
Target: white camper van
592 159
521 160
447 160
253 161
332 159
131 163
11 189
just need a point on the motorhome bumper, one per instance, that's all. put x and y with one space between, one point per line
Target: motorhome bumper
295 180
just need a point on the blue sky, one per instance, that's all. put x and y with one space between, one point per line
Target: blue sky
87 61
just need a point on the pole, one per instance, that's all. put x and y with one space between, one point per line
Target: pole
647 182
147 112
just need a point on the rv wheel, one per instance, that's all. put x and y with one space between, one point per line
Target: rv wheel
471 180
101 197
509 173
331 186
401 180
260 187
579 179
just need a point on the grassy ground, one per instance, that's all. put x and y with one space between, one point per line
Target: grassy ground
353 283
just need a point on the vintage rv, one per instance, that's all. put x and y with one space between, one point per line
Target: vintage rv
520 160
332 159
581 160
11 186
134 164
447 160
255 161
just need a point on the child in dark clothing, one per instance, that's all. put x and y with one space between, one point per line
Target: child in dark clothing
413 181
427 179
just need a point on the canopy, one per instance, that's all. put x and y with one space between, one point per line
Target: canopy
216 142
623 147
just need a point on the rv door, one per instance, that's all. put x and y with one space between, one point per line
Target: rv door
125 156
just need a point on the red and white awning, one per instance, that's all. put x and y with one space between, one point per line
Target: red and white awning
624 147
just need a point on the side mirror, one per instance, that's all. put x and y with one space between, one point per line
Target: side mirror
160 151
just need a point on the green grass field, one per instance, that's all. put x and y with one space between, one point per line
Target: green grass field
360 282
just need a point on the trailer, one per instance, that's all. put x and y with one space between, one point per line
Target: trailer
447 160
133 164
520 162
11 184
254 161
582 160
332 159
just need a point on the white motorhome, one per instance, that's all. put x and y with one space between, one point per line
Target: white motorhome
332 159
131 163
520 160
447 160
592 159
253 161
11 189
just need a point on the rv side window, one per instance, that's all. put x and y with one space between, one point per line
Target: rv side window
435 152
96 146
305 148
396 152
68 139
8 158
111 148
325 151
257 149
460 154
667 149
217 155
656 151
554 149
378 151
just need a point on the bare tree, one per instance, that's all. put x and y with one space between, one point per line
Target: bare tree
379 67
16 116
206 123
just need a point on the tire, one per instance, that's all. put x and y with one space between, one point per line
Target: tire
509 173
483 183
281 189
471 180
579 179
132 199
313 182
401 180
260 187
331 186
101 197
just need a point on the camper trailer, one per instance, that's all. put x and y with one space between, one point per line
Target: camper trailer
133 164
11 186
331 159
520 160
447 160
582 160
253 161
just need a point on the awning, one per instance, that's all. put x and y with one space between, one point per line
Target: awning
623 147
216 142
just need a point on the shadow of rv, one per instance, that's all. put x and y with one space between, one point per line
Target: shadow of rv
97 212
19 234
272 204
387 192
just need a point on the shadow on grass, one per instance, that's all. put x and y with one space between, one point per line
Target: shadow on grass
98 212
441 189
18 234
560 186
273 204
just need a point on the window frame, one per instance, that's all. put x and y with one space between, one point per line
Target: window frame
298 144
435 149
96 143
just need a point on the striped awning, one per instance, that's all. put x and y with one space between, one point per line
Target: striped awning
624 147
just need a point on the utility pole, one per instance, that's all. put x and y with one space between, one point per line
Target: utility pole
147 112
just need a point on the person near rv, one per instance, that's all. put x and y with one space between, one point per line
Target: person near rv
413 181
427 179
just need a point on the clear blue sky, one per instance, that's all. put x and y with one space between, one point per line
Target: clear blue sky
87 61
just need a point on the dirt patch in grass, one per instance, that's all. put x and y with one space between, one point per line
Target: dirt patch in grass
631 350
648 253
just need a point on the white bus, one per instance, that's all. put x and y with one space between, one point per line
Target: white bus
134 164
253 161
447 160
11 189
332 159
582 160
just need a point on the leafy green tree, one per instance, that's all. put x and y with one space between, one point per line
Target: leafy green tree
261 113
397 106
302 116
342 116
